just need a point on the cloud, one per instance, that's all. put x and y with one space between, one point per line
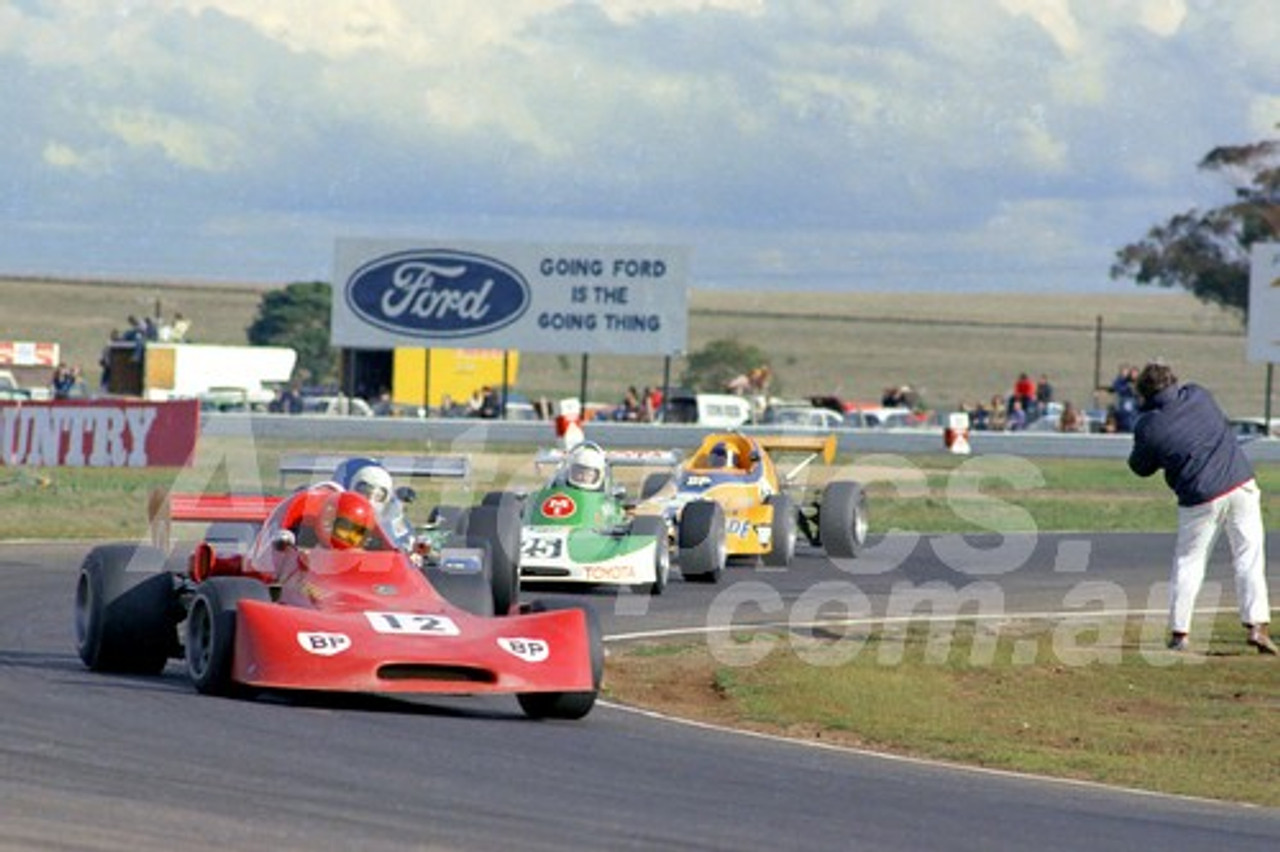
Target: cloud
786 142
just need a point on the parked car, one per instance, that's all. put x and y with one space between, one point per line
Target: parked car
336 406
881 418
808 418
1252 428
714 410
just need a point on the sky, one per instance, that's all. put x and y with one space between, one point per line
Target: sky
860 145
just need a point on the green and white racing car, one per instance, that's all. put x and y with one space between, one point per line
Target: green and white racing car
578 529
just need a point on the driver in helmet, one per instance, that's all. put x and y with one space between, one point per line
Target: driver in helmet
372 481
347 521
586 467
721 455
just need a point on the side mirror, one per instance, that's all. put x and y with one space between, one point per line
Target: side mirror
406 494
619 492
284 540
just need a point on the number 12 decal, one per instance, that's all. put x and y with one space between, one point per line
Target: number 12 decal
412 623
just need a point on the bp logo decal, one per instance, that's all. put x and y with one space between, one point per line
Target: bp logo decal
437 293
559 506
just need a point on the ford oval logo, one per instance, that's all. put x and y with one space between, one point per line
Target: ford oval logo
437 293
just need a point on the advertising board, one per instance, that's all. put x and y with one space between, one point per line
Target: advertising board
612 299
1264 304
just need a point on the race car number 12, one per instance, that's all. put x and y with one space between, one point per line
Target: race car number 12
412 623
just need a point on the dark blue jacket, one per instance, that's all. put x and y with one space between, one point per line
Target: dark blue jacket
1183 431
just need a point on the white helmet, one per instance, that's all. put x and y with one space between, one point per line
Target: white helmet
586 467
375 484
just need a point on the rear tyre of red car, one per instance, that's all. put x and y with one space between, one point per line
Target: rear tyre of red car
568 705
126 610
783 532
701 544
656 527
842 519
211 632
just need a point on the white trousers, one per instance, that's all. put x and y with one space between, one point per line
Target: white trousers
1239 512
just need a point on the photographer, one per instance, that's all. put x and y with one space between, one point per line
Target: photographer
1180 429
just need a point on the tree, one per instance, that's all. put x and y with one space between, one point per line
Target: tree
298 317
711 368
1208 253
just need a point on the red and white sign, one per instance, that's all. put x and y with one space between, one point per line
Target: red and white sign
99 433
559 506
22 353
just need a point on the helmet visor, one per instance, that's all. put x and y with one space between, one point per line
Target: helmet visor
584 475
349 533
376 494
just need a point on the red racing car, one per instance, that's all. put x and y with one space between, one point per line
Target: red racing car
319 598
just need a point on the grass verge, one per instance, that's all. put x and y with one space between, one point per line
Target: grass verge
1100 702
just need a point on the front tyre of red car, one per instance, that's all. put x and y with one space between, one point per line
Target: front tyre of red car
211 631
126 611
568 705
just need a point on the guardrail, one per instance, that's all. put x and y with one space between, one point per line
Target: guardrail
441 433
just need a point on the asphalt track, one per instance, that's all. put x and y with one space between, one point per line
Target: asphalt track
91 762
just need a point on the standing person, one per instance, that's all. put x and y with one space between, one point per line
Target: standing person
1181 429
1044 395
1024 391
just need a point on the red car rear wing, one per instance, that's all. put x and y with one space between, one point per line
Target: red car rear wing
164 508
247 508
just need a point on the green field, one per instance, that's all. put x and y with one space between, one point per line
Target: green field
952 347
911 494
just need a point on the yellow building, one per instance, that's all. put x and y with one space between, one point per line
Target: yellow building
441 376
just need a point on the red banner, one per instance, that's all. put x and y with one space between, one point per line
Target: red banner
23 353
99 433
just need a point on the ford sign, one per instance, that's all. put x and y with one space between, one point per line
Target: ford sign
437 293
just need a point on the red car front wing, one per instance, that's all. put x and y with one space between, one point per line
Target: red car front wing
408 652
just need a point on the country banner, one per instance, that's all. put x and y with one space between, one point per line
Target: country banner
99 433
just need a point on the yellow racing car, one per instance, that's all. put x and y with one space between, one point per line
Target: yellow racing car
729 499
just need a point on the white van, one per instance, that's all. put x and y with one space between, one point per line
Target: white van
716 410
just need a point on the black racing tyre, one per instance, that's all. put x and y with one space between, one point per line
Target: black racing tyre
502 498
653 483
701 541
126 610
568 705
656 527
497 527
211 632
842 519
785 527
